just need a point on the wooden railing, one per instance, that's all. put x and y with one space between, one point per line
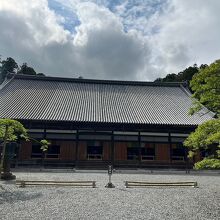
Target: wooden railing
94 156
36 155
147 157
52 156
178 158
47 156
143 157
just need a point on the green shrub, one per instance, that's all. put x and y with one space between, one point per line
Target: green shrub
207 164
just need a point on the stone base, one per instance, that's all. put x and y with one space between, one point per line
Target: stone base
110 185
7 176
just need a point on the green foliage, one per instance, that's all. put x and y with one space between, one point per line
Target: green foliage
170 78
26 70
7 66
44 145
185 75
40 74
188 73
191 154
208 163
206 87
12 130
197 106
15 130
204 136
10 66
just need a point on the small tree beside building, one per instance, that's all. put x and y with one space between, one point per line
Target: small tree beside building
10 132
206 138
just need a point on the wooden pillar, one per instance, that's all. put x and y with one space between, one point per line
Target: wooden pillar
112 149
155 152
186 160
44 153
17 154
170 146
139 150
76 148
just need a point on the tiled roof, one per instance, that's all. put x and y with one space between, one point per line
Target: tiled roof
81 100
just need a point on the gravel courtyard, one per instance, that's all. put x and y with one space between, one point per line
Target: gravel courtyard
104 203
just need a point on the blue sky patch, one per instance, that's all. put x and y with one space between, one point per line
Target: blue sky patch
133 15
71 19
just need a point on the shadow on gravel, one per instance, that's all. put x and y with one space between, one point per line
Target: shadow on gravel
15 196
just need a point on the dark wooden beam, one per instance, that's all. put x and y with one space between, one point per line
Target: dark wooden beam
112 149
76 149
139 148
170 147
112 126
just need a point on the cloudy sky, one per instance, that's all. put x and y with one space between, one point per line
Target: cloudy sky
110 39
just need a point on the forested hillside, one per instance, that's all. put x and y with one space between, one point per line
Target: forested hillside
185 75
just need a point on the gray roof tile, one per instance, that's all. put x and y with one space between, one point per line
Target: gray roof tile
47 98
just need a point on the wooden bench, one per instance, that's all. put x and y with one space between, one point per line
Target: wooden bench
23 183
130 184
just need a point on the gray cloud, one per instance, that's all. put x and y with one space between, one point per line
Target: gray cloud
188 34
106 53
100 48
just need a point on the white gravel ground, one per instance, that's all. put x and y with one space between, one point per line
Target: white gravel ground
104 203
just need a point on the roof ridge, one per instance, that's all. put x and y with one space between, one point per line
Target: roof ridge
98 81
8 79
186 90
189 94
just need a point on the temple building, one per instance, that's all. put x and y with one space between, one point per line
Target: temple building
95 123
